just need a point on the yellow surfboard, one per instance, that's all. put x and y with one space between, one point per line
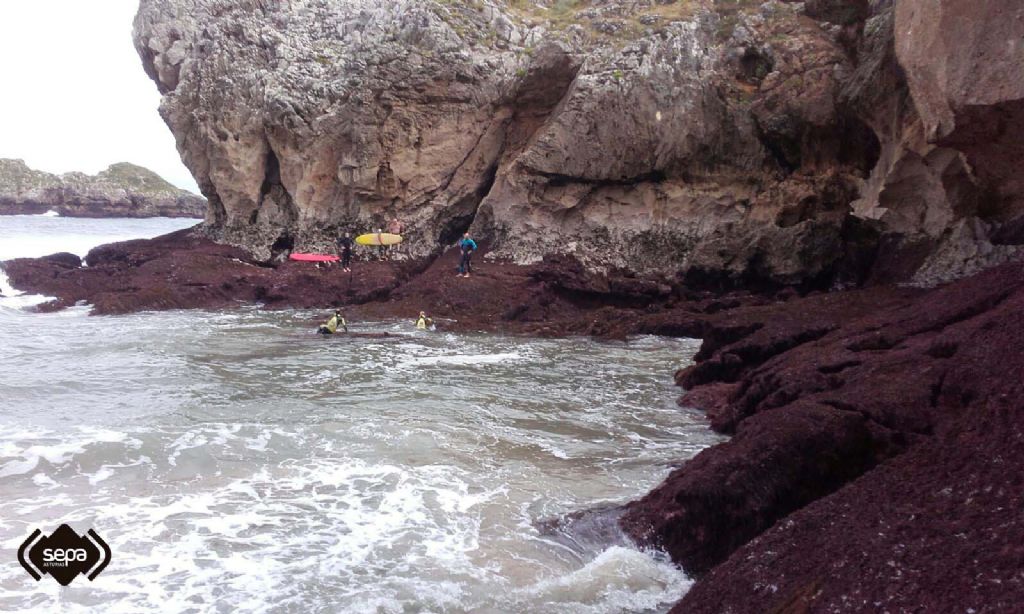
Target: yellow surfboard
378 238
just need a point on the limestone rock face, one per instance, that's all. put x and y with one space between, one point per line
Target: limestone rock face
964 62
940 84
650 136
301 118
122 190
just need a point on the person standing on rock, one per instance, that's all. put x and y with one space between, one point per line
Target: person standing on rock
382 250
395 227
345 252
467 246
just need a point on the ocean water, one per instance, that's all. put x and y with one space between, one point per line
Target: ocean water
31 236
236 462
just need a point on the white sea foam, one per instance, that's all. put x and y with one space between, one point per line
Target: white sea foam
104 473
54 449
197 439
325 525
22 301
468 360
619 579
14 299
377 536
41 479
555 451
5 285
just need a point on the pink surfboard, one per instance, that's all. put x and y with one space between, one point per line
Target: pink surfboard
314 257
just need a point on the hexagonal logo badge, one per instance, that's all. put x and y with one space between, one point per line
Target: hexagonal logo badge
64 555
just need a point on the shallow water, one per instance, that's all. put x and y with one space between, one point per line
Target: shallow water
236 462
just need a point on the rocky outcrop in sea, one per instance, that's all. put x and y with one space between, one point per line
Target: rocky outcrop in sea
122 190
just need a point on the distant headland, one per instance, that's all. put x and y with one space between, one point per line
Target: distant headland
122 190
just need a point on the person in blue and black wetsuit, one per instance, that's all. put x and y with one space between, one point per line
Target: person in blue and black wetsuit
467 246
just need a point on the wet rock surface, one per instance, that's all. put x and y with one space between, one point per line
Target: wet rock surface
122 190
876 457
184 270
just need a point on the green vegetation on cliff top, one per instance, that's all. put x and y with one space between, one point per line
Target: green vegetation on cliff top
623 20
137 178
16 176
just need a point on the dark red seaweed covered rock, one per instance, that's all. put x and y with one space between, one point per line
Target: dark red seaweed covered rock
878 466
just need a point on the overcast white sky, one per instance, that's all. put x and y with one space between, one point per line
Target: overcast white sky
73 94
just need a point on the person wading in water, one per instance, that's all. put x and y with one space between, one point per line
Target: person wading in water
333 323
423 322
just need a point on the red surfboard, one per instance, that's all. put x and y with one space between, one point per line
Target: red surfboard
314 257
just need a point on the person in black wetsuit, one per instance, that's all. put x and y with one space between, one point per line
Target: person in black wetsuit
345 252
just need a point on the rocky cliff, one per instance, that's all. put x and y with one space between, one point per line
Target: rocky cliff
825 141
123 190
